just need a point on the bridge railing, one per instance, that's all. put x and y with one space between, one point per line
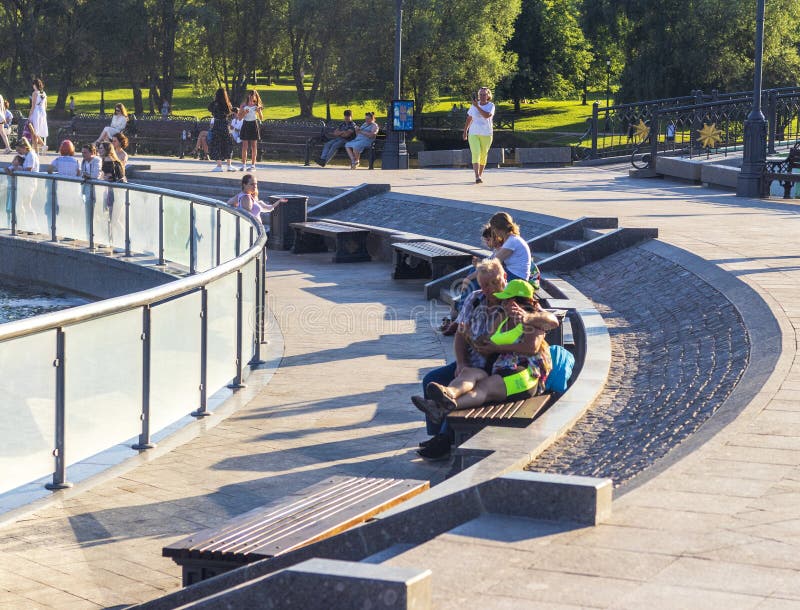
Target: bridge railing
80 381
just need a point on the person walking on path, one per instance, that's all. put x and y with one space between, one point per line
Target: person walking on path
219 141
5 126
37 119
478 130
250 112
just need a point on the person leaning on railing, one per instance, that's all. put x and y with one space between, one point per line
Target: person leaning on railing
90 166
66 164
247 199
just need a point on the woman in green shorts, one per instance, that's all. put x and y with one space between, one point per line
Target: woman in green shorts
478 130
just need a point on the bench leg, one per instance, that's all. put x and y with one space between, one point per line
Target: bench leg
404 271
350 249
308 242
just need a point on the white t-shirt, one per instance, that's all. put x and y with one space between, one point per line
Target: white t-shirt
31 163
481 126
519 263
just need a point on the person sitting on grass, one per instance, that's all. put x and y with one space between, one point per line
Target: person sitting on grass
521 360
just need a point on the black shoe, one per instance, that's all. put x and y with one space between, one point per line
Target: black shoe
432 440
438 449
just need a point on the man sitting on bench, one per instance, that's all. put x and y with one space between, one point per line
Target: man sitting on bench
345 131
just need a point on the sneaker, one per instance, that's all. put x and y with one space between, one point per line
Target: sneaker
478 181
241 169
353 165
431 408
430 441
231 168
218 168
251 168
441 396
438 449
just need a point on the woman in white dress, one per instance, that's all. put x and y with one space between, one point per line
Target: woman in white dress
118 123
37 119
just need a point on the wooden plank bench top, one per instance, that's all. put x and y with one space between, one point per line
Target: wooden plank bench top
349 244
439 260
315 513
512 414
321 227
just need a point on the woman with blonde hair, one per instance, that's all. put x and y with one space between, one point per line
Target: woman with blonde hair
118 123
250 112
478 130
513 251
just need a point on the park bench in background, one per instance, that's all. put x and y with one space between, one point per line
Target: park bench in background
153 134
349 244
782 170
85 128
425 259
312 514
290 138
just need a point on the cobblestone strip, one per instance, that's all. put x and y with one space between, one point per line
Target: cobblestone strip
393 211
678 349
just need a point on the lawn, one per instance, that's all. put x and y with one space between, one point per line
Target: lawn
561 120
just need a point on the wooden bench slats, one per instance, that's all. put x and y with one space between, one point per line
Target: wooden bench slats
316 513
322 227
428 249
514 414
440 260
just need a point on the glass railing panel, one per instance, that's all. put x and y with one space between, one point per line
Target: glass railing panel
205 235
5 201
249 313
71 218
143 222
174 359
101 218
103 402
227 236
27 409
221 367
177 230
33 204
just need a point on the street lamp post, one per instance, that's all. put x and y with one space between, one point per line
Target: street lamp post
754 156
608 82
395 154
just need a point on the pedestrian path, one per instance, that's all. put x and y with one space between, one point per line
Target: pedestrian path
717 525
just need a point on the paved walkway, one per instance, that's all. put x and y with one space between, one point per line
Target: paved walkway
718 528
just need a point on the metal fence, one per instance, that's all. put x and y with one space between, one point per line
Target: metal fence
682 125
80 381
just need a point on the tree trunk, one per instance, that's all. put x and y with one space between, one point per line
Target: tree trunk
138 103
170 28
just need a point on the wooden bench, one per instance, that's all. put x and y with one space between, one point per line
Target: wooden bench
781 169
349 244
291 138
315 513
153 134
513 414
86 128
425 259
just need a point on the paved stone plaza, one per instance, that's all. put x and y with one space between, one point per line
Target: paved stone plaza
715 524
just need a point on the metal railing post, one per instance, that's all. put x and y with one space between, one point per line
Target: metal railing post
219 236
203 411
127 222
263 292
144 436
258 318
772 122
595 113
52 202
13 188
192 240
655 129
59 453
237 380
238 236
161 230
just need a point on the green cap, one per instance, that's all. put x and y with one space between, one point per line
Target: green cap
516 288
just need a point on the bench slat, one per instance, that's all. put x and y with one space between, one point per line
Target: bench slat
316 513
426 249
326 228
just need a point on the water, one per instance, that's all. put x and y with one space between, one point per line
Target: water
23 300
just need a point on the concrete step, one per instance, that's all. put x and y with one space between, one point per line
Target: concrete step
567 244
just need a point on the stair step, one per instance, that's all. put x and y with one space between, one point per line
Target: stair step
592 233
567 244
541 255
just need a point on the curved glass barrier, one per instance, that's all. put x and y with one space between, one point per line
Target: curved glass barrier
83 380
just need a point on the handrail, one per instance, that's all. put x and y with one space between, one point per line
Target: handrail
221 357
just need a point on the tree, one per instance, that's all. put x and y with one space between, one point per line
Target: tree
553 55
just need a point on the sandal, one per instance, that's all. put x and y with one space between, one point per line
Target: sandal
441 396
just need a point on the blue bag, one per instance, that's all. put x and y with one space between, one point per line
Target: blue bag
563 362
